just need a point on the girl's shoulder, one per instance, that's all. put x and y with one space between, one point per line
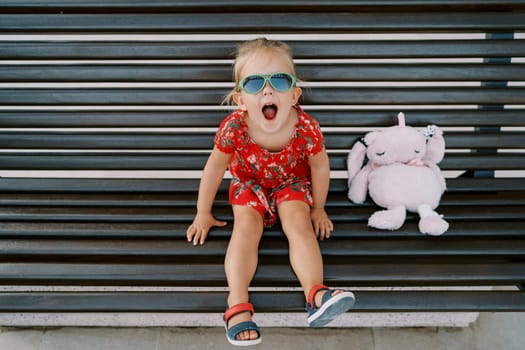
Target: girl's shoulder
231 134
233 121
309 134
306 121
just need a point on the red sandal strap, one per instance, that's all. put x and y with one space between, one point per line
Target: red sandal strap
313 292
237 309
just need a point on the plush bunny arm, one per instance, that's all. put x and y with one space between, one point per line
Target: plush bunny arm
437 171
355 160
358 186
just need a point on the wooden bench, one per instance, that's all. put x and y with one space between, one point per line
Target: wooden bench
108 111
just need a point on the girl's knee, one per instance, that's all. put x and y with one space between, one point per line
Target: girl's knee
247 220
295 216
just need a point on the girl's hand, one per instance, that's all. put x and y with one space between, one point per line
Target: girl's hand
198 230
323 226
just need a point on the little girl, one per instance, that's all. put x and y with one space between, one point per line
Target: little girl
279 166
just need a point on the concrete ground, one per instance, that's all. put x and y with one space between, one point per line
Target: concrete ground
492 331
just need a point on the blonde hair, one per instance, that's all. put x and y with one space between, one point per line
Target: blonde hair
248 49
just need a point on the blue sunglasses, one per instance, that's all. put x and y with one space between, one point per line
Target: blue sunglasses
280 82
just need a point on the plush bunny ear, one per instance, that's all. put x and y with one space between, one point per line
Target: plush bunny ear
357 154
401 120
435 144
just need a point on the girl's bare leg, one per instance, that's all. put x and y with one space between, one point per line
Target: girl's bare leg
241 261
305 254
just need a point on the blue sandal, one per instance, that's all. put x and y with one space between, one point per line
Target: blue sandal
233 331
331 305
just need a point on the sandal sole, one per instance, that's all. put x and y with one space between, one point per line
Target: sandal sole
236 342
335 306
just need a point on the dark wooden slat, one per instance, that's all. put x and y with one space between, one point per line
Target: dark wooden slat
177 230
196 274
480 198
463 184
458 161
204 141
336 249
205 96
168 214
336 197
394 96
105 199
440 301
268 6
123 161
419 118
367 301
87 185
130 214
174 230
101 185
109 118
224 22
222 73
27 160
452 197
470 140
108 140
301 49
212 118
117 72
410 72
214 96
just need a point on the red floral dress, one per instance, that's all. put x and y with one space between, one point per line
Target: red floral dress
262 179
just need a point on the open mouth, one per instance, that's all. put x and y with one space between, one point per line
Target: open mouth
269 111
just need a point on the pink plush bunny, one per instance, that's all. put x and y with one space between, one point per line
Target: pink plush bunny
401 174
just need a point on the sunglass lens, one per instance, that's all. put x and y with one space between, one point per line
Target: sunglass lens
253 84
281 82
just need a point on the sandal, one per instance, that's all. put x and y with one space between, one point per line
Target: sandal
331 305
233 332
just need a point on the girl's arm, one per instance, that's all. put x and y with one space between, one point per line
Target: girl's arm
211 179
320 172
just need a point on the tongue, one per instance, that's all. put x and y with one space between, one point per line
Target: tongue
269 112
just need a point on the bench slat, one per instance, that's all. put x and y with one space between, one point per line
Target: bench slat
144 199
61 185
337 249
252 21
140 214
212 118
367 301
128 160
194 274
268 6
213 96
222 73
176 230
203 5
223 50
170 140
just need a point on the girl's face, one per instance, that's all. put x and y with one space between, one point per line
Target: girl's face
269 110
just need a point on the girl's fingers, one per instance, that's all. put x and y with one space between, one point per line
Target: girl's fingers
220 223
196 239
189 233
327 229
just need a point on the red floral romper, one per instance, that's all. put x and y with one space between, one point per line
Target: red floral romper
262 179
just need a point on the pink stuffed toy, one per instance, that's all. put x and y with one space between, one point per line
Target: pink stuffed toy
401 174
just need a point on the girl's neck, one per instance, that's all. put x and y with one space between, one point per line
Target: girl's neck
277 141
